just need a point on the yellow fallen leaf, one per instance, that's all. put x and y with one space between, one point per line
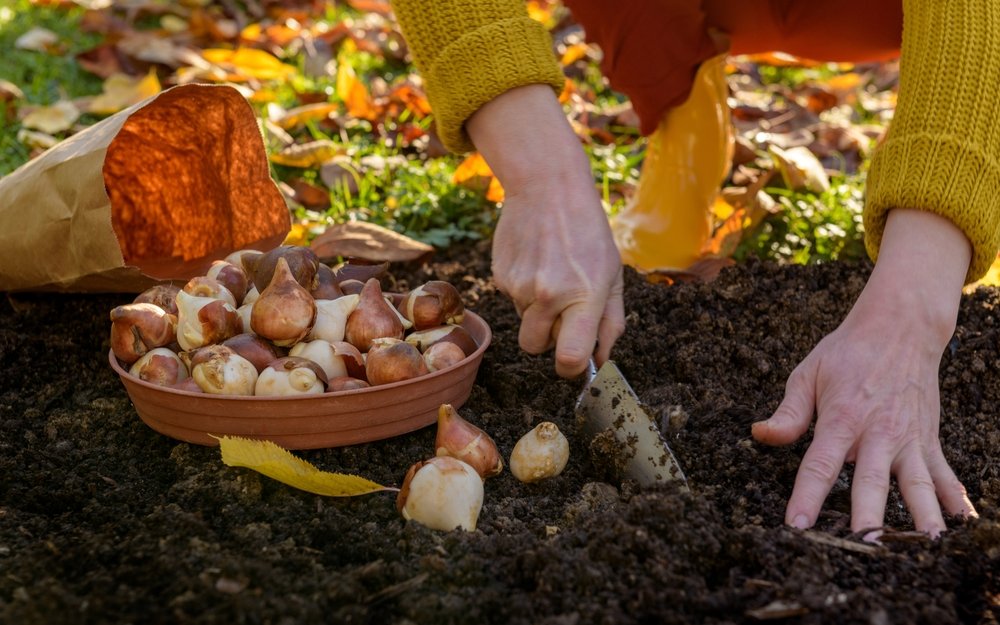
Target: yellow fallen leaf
574 53
277 463
306 113
52 119
249 63
494 193
800 169
312 154
121 92
36 140
473 165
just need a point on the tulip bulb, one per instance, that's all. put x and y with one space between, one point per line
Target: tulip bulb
432 304
351 286
138 328
219 370
162 295
331 318
338 359
442 493
236 258
423 339
302 266
259 352
458 438
231 276
291 376
204 321
244 313
442 356
160 366
372 319
346 384
204 286
393 360
541 453
285 312
188 384
252 296
326 284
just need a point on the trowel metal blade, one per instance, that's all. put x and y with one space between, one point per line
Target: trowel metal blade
609 403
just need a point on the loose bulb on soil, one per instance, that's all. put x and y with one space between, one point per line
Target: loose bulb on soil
138 328
460 439
541 453
291 376
442 493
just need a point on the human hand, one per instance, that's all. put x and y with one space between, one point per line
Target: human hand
873 383
553 252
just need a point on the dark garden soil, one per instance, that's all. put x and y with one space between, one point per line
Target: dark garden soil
102 520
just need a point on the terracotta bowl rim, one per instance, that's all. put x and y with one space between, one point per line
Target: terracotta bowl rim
476 355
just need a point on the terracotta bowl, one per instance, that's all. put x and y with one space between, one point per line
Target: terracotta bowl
328 420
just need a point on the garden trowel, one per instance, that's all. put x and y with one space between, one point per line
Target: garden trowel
608 406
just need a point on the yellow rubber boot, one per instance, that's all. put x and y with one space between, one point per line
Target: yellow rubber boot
687 159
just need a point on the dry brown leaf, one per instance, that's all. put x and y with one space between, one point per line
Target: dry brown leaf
53 119
309 195
801 169
312 154
356 239
381 7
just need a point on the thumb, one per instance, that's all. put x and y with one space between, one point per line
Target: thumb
792 417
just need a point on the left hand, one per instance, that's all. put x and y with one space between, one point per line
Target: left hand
873 383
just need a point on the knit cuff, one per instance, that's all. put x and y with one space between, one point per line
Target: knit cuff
946 175
483 64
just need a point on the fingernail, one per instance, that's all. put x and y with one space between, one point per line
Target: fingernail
800 521
872 537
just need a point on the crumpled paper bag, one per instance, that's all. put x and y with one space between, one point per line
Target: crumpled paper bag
150 194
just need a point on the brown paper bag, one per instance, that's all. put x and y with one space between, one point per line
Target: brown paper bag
153 193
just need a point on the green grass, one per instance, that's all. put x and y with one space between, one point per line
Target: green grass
44 78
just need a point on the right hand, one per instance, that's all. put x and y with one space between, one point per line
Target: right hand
553 252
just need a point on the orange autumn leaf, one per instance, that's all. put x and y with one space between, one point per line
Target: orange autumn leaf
574 53
727 236
473 166
414 100
495 191
353 93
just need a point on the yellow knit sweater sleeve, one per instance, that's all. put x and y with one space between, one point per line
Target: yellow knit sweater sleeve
942 151
471 51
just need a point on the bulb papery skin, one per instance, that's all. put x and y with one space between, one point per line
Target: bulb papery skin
442 493
346 384
285 312
331 318
231 276
372 319
138 328
205 286
460 439
160 366
393 360
432 304
236 258
291 376
424 339
541 453
443 355
219 370
326 284
407 324
252 296
162 295
255 349
204 320
338 359
244 313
